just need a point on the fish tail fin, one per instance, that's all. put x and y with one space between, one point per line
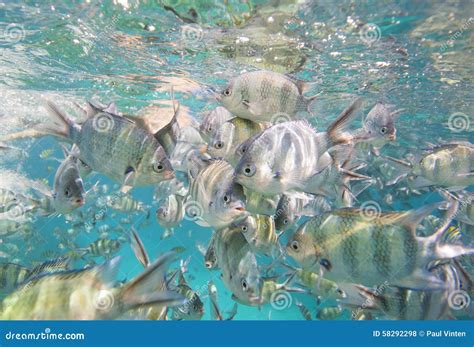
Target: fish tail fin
142 290
286 286
337 131
62 126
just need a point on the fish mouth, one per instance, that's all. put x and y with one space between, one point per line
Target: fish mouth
169 175
392 137
79 202
240 208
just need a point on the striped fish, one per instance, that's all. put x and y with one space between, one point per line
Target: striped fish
11 275
238 264
212 121
101 248
292 156
230 135
260 233
214 198
192 308
115 146
87 294
330 313
170 214
263 95
351 246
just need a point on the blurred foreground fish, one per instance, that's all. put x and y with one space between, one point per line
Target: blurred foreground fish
87 294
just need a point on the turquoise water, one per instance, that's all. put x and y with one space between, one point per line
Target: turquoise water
416 55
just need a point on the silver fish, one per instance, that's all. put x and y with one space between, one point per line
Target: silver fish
213 120
265 96
170 214
214 198
350 245
115 146
240 272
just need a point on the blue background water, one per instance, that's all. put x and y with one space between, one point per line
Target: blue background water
121 51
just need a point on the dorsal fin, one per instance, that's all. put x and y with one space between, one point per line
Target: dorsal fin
169 134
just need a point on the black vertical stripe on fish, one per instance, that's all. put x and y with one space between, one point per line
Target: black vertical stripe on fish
265 88
286 91
350 255
410 250
381 251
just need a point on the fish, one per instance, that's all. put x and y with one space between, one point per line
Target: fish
260 233
216 313
101 248
170 214
114 146
304 311
396 303
214 198
125 203
271 289
68 188
212 121
138 248
228 137
292 206
317 285
193 307
238 264
378 128
210 257
350 245
290 156
260 204
265 96
447 166
87 294
11 275
329 313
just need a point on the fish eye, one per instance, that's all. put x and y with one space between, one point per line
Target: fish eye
249 170
158 167
244 228
67 192
245 285
219 145
227 92
226 198
295 245
208 264
285 221
383 130
209 129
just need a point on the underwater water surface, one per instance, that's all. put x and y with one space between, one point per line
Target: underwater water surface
150 55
